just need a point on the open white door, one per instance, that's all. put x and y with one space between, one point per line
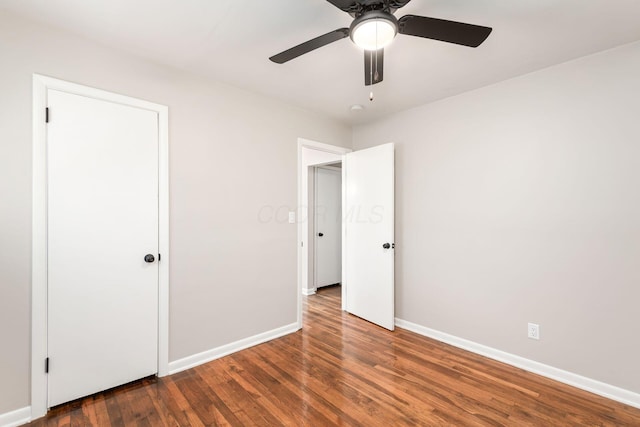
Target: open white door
369 222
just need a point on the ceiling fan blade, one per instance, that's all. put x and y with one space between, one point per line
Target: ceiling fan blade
344 5
310 45
373 66
446 31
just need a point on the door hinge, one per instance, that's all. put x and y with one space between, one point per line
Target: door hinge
46 115
46 365
159 257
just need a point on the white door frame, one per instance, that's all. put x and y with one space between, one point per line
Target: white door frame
303 241
41 84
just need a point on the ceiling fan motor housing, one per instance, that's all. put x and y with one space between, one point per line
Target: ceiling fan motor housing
356 8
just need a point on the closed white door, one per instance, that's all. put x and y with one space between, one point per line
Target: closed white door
328 226
369 221
102 221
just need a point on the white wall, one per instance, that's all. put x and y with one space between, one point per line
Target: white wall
231 153
520 202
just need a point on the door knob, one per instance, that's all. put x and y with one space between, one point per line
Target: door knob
386 246
149 258
320 234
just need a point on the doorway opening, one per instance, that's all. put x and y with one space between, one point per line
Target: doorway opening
367 219
325 227
313 158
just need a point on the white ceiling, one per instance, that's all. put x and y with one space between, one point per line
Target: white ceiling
231 41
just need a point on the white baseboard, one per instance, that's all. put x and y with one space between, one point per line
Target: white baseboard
218 352
603 389
16 418
308 291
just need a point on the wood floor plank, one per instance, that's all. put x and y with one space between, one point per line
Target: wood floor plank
342 370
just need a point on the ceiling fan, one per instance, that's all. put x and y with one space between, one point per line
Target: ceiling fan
374 27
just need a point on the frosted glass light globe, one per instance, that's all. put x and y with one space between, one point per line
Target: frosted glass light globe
374 33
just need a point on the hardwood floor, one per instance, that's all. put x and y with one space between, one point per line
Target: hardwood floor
341 370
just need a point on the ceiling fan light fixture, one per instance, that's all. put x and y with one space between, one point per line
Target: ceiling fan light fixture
374 30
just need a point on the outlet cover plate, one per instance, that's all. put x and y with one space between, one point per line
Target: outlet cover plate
533 331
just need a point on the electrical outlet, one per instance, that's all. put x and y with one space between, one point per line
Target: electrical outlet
533 331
